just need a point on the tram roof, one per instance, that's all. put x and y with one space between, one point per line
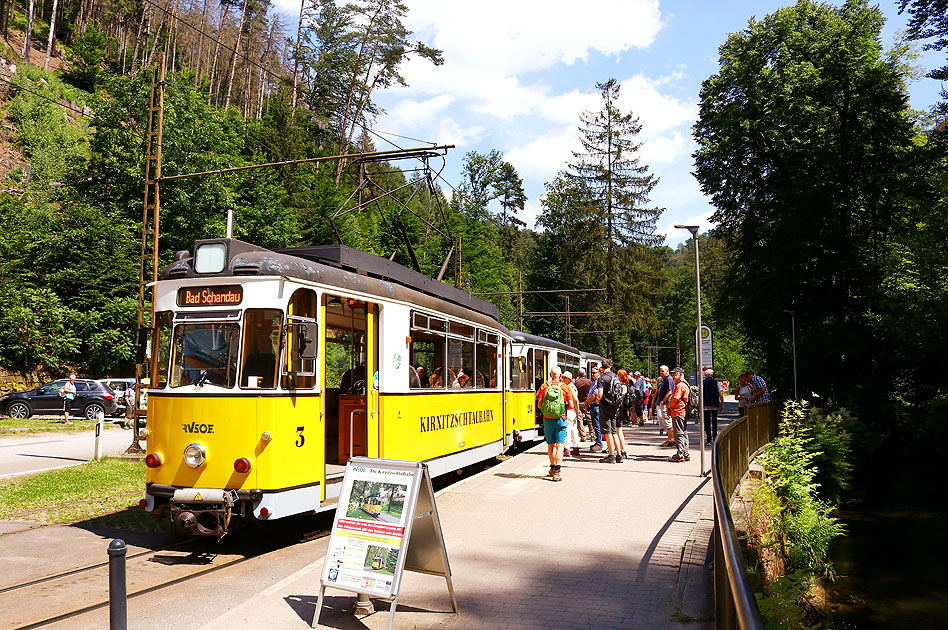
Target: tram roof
537 340
374 266
340 266
592 356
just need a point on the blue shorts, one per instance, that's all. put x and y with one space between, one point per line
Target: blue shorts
554 431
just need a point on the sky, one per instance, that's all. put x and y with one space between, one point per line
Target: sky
517 74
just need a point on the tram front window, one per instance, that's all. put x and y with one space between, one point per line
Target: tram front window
205 354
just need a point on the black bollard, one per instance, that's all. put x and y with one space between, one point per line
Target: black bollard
118 617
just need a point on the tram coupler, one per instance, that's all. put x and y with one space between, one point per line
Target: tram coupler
202 511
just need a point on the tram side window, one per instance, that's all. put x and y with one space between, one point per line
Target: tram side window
539 369
262 327
518 373
205 353
426 360
163 322
460 363
299 373
486 363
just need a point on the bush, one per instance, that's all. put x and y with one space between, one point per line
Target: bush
791 527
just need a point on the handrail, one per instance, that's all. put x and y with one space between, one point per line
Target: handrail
734 601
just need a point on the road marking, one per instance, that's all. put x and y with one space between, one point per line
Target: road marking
39 470
273 590
229 619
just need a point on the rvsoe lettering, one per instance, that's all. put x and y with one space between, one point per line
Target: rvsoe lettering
194 427
455 420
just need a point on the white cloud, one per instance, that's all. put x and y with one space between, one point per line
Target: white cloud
666 149
410 111
541 158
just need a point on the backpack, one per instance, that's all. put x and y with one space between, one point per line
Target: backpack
553 405
691 405
613 395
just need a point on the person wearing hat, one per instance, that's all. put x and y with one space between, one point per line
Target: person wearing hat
676 411
571 446
713 403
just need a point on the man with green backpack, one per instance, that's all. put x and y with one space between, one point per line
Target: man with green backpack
553 399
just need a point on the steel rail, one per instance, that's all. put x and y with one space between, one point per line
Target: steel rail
734 601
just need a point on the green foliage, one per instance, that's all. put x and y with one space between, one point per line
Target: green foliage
55 148
803 137
781 605
85 58
803 526
35 329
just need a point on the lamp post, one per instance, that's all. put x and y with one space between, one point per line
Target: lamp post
793 334
694 234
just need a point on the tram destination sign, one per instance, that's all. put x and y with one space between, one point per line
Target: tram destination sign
211 296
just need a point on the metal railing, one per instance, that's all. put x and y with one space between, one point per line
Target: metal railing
734 602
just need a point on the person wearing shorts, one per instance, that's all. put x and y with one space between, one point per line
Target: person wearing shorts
69 395
554 429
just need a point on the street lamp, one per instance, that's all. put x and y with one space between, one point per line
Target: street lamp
793 333
694 233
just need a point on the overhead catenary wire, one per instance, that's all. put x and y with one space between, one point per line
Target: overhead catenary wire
45 98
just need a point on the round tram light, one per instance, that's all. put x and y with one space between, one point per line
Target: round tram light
143 504
243 465
153 460
264 512
143 433
195 455
266 436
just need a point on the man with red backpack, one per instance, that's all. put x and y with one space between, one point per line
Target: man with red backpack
553 399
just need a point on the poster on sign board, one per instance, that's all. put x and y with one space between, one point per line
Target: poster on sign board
370 527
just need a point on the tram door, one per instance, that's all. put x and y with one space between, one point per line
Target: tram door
541 372
347 379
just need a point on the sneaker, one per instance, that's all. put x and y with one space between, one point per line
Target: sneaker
678 459
687 458
608 460
595 448
618 458
709 443
574 452
556 476
550 472
667 444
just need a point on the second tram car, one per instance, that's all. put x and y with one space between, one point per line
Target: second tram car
273 368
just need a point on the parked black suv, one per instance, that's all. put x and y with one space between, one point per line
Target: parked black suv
91 398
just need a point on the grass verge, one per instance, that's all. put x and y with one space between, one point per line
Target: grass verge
72 494
11 426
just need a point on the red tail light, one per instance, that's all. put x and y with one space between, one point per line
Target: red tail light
143 504
153 460
243 465
264 512
108 396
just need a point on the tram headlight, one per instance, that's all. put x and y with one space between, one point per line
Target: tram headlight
194 455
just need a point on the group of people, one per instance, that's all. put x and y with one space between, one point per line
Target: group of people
610 399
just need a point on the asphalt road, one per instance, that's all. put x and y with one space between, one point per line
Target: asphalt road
20 455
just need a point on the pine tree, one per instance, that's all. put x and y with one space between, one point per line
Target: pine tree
609 168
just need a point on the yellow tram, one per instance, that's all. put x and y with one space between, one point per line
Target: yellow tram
372 505
274 367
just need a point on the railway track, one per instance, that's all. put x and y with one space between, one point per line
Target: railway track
64 594
60 595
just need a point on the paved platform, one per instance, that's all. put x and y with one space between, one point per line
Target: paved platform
611 546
